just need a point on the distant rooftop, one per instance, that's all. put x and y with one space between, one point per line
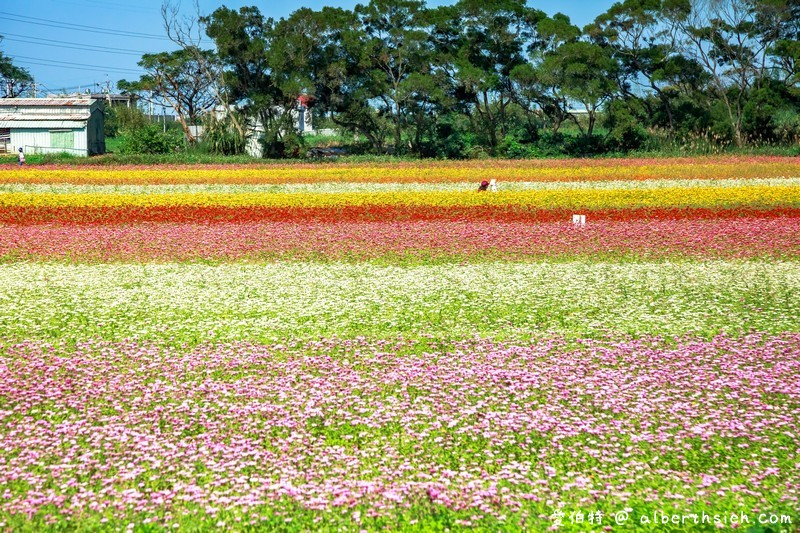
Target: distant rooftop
26 117
55 102
114 97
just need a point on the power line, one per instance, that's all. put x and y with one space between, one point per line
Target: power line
78 27
77 46
103 4
76 64
5 35
67 89
73 88
52 62
93 69
48 90
83 26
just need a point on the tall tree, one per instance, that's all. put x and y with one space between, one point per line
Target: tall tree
585 73
188 33
643 37
537 90
243 39
177 78
395 49
731 39
323 54
14 81
784 18
490 45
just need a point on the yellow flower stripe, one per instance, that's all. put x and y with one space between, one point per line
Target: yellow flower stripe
753 195
428 172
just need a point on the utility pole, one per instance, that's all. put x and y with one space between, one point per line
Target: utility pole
34 88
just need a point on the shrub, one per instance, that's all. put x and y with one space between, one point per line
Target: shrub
221 137
150 139
787 126
445 140
624 120
120 118
511 148
548 145
583 146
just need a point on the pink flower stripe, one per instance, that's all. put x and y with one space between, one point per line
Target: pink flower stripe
140 431
741 237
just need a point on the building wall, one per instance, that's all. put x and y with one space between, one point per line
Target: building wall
40 140
95 133
48 125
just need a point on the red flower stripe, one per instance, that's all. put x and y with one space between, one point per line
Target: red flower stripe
365 213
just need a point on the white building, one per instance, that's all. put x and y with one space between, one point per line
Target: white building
52 125
301 117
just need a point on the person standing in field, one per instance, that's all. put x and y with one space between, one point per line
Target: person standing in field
21 157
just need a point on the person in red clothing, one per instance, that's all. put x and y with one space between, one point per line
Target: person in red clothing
483 186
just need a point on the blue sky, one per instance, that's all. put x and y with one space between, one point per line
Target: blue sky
79 44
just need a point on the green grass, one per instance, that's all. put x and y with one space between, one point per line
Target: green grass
196 157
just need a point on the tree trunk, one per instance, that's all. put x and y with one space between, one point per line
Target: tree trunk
179 113
668 109
492 132
735 119
397 129
418 133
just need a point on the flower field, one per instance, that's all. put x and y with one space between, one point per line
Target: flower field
366 347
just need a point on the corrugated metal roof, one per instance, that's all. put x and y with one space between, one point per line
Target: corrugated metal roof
77 102
45 124
38 117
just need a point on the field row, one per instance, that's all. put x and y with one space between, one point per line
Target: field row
396 433
487 215
421 241
381 187
747 195
433 172
197 303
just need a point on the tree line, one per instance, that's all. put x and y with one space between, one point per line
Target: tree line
15 81
495 76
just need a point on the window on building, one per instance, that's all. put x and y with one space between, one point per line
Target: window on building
62 139
5 139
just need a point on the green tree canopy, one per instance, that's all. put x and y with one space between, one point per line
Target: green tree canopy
178 79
